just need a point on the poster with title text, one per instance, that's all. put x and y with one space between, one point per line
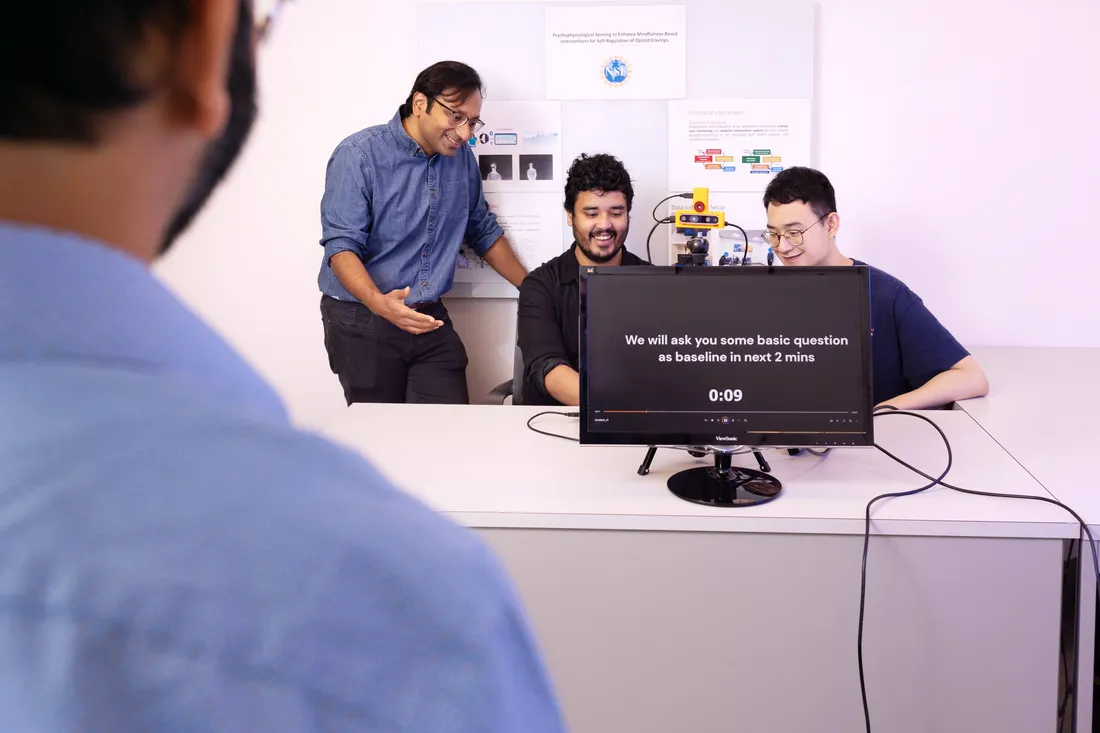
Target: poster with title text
736 144
616 52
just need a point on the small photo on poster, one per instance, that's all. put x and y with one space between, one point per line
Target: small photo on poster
523 140
536 167
495 167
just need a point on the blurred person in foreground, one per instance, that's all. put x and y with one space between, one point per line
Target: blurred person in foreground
174 556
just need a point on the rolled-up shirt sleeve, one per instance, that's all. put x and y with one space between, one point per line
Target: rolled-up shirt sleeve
482 228
345 205
539 332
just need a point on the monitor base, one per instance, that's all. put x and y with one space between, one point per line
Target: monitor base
723 485
643 470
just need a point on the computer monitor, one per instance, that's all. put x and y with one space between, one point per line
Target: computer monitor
725 357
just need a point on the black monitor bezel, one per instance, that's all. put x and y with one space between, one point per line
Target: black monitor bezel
862 439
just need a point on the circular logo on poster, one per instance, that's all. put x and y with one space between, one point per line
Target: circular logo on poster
616 71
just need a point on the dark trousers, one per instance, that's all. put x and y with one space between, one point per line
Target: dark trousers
378 362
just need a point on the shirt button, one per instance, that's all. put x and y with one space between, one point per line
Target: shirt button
425 283
425 253
433 192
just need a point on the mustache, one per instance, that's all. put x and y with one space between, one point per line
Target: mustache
596 232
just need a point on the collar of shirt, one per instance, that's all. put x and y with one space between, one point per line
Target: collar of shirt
404 140
69 299
570 265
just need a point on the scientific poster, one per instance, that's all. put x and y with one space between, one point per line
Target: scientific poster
616 52
532 223
519 149
736 144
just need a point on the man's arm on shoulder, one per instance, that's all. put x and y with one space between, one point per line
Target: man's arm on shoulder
484 235
934 359
545 362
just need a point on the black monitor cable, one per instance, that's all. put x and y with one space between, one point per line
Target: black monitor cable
552 435
938 481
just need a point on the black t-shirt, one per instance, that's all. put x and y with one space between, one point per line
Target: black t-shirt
548 327
909 345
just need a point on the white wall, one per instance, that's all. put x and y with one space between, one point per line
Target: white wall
963 137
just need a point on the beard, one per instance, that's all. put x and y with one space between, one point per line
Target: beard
586 241
222 152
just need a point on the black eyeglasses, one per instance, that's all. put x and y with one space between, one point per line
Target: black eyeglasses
264 20
794 237
457 119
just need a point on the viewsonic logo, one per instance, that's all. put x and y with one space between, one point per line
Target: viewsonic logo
726 438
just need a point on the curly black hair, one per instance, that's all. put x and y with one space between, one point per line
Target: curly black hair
600 172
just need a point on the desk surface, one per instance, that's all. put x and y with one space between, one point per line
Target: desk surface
483 467
1044 409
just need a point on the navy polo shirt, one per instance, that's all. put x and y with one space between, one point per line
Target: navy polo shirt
909 345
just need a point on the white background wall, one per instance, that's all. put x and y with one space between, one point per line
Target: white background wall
963 137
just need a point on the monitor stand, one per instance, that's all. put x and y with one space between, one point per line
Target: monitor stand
722 485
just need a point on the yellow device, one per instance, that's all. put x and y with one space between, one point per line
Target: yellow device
700 217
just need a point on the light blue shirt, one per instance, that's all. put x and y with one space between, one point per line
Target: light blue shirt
405 214
174 556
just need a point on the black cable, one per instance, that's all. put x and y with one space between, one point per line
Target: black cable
891 410
746 236
1069 684
648 254
673 196
552 435
665 220
866 544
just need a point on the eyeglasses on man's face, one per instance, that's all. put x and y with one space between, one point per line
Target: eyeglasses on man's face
264 15
793 236
458 119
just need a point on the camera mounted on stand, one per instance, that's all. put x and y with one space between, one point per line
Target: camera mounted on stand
696 223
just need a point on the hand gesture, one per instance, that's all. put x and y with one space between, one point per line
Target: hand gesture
391 306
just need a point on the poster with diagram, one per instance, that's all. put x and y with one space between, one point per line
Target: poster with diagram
736 144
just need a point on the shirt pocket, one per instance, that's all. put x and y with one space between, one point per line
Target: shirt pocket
454 209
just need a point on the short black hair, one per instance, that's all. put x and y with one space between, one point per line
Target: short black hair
444 76
66 64
803 184
599 172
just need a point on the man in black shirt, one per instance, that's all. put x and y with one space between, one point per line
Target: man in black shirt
598 197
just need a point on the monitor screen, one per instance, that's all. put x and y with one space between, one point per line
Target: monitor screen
725 356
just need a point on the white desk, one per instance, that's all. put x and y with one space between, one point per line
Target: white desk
1044 408
660 615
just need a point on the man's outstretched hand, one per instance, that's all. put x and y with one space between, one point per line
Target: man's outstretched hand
391 306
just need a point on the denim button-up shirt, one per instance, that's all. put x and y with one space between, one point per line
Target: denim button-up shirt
403 213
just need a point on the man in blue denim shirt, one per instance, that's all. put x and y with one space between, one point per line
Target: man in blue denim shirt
400 199
174 554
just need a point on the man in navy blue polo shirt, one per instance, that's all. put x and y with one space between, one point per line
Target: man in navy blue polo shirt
917 363
400 200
